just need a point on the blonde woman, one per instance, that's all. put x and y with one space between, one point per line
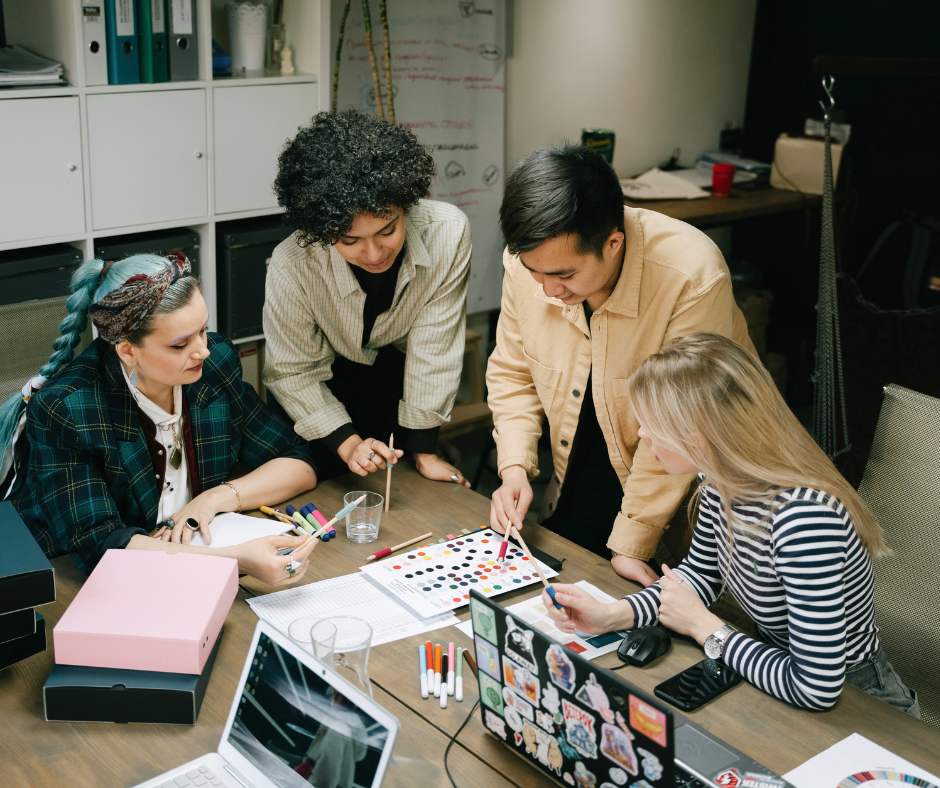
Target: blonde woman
797 556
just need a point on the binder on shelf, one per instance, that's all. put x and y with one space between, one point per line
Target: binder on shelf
123 68
151 41
95 40
182 44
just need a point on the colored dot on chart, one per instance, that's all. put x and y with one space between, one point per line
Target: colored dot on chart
457 599
418 554
485 541
491 563
466 596
483 577
512 569
447 552
426 588
408 577
427 558
482 566
497 587
516 580
459 542
524 557
411 556
396 567
454 587
437 585
487 590
526 577
473 580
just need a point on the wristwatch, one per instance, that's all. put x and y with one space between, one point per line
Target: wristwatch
715 644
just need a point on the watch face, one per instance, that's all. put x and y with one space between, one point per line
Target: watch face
712 647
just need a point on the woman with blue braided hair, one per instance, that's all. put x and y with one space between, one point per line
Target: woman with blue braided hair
132 444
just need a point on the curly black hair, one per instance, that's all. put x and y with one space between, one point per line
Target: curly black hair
345 164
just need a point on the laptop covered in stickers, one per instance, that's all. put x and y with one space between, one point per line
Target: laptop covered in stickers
584 726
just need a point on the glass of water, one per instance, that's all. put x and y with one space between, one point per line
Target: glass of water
343 643
362 523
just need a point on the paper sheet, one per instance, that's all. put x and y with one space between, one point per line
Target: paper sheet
230 529
348 595
659 185
533 612
856 760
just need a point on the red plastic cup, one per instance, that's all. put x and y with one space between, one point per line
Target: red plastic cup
722 178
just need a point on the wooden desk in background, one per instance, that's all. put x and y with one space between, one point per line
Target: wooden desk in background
36 753
740 204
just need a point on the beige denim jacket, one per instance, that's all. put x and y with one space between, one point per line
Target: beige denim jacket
674 282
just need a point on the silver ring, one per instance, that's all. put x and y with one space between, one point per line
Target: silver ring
169 523
454 477
192 523
372 445
371 455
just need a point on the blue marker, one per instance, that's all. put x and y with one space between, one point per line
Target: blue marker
551 593
423 664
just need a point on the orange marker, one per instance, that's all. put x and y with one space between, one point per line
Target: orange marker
430 663
437 671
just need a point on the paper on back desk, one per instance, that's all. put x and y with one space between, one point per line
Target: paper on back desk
230 529
853 755
533 612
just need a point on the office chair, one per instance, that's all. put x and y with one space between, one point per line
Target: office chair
901 486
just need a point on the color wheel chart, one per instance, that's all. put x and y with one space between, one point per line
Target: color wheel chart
438 577
885 778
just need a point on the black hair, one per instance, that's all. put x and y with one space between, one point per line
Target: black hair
346 164
560 190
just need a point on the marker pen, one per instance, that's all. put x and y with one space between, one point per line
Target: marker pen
429 659
308 512
444 686
458 688
423 663
298 518
437 671
317 514
450 668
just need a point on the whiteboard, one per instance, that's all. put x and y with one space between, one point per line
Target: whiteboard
448 76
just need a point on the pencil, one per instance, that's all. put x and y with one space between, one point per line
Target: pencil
341 513
470 663
390 550
538 569
276 515
388 475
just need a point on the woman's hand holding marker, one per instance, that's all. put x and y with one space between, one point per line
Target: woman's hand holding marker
367 456
583 612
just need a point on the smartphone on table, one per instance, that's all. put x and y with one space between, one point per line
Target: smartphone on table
697 685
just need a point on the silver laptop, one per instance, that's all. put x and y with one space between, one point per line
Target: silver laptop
294 723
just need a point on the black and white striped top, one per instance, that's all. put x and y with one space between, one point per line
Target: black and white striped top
803 577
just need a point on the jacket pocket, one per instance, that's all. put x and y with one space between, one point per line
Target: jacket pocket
546 381
624 411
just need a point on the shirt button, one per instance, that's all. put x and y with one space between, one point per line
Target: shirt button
576 393
157 475
563 443
586 336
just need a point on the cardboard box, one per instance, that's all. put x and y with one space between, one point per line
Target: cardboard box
17 650
17 625
148 610
77 694
798 164
26 576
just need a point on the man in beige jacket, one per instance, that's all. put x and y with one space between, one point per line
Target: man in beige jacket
591 289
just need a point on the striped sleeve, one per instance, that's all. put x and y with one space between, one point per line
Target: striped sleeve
809 548
699 568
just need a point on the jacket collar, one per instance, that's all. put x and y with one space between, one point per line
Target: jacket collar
416 253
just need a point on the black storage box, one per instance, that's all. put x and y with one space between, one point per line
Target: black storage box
77 694
26 576
243 251
40 272
160 242
17 625
17 650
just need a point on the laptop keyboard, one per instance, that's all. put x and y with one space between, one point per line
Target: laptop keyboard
685 780
199 775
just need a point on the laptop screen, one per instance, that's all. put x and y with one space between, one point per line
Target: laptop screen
572 719
298 730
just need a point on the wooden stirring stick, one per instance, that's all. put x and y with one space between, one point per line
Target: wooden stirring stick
390 550
535 564
388 477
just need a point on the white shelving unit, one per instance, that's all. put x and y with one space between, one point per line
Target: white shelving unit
81 163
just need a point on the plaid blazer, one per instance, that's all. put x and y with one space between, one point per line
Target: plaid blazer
88 470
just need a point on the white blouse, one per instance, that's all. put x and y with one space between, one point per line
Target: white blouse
177 490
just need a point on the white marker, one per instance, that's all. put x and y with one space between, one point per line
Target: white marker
458 690
422 662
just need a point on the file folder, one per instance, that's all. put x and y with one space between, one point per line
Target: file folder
151 41
123 68
182 44
95 41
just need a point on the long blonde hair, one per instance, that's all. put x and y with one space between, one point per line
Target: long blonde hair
711 401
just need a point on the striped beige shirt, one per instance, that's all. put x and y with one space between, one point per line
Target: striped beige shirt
313 310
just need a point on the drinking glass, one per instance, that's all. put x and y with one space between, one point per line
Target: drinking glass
362 523
343 643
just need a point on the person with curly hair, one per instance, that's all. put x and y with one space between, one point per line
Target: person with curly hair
365 304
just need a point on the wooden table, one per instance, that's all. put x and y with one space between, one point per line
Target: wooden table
36 753
740 204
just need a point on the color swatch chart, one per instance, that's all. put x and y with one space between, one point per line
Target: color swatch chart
437 578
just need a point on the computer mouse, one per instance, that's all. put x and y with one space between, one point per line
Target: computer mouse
644 644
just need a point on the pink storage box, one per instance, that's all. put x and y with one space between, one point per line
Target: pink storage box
148 610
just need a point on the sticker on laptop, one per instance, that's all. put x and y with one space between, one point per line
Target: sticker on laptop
641 784
545 720
495 724
521 679
592 694
567 750
484 620
513 718
648 721
582 777
729 778
618 775
487 657
491 693
754 780
518 737
579 725
652 768
568 778
622 724
543 748
512 700
519 644
560 668
616 745
551 700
